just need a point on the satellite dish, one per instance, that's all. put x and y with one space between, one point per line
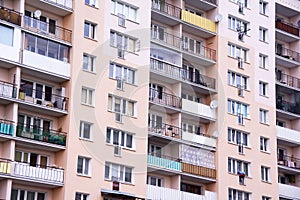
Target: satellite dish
218 18
213 104
37 13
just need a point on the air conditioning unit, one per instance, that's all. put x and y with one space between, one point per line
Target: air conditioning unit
241 148
121 52
240 119
117 150
120 84
241 7
240 62
121 20
118 117
240 90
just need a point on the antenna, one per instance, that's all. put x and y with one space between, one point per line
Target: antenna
37 14
213 104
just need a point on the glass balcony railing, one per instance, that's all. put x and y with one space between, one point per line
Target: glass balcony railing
35 133
163 98
287 27
165 162
288 80
10 15
288 53
7 127
288 106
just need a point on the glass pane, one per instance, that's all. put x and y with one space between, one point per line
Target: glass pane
86 130
42 46
80 165
27 87
33 159
86 29
106 175
6 35
48 93
116 137
129 141
14 194
30 195
43 162
39 91
53 50
84 95
18 156
108 135
63 53
128 174
86 166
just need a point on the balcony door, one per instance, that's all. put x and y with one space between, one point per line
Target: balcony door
38 91
155 91
158 32
192 74
33 125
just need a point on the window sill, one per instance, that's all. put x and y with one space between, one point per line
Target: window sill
264 68
82 175
235 174
263 41
263 14
235 144
264 123
268 182
85 139
88 105
92 39
95 7
125 115
122 182
133 84
126 20
88 71
265 96
123 148
267 152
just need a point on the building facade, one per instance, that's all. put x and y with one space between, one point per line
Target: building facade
160 99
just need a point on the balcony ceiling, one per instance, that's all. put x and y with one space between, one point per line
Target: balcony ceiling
286 37
285 89
164 18
288 170
45 76
41 109
201 4
285 11
286 143
288 63
286 115
38 145
49 7
196 30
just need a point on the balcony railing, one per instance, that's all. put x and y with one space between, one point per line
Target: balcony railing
8 90
178 43
288 80
10 15
288 106
287 27
45 99
5 166
289 161
7 127
164 129
36 133
288 53
45 28
164 98
62 3
199 170
179 73
166 8
165 162
39 172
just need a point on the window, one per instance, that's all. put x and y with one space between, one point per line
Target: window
120 138
243 2
85 130
90 30
234 194
20 194
43 24
155 181
93 3
263 116
236 108
129 11
263 61
235 23
46 47
265 198
238 137
155 121
6 35
192 45
118 172
192 128
263 88
87 96
237 51
88 62
33 159
238 80
123 42
237 166
264 144
155 150
263 7
83 166
117 71
265 174
263 34
195 189
120 105
81 196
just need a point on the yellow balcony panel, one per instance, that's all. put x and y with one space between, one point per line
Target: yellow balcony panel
5 167
198 21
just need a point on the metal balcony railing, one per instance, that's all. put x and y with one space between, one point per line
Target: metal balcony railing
164 129
288 80
288 106
7 127
164 98
211 1
167 38
287 27
166 8
36 133
45 28
183 74
288 53
10 15
289 161
8 90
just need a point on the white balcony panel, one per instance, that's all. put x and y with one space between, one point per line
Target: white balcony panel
200 139
9 52
289 191
154 193
47 64
198 109
288 134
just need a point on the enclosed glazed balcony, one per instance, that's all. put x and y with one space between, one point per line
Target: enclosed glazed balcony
10 15
59 7
198 109
287 80
155 192
50 136
286 31
287 57
7 127
164 162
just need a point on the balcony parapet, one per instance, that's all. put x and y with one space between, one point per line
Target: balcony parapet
287 27
288 80
10 15
166 8
164 98
288 106
7 127
199 170
289 161
165 162
199 21
288 54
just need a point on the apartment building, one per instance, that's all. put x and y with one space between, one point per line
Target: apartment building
176 99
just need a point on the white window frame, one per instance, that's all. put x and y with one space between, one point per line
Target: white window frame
264 144
155 150
235 108
263 116
236 79
124 106
38 161
124 42
234 194
127 74
88 62
263 7
265 174
129 11
263 34
83 196
121 138
238 137
263 61
82 127
92 30
159 182
235 166
86 163
89 98
92 3
234 23
235 51
26 193
121 171
263 88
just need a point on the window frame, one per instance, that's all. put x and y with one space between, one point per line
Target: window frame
263 61
82 130
121 171
233 137
159 182
237 105
89 92
83 196
92 3
235 51
233 166
265 174
233 194
121 138
4 40
117 37
18 190
263 89
233 23
124 109
263 7
264 144
128 7
232 79
92 30
90 64
127 73
263 116
84 165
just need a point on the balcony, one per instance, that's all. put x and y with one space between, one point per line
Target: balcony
165 162
174 72
288 135
289 191
7 127
289 162
199 109
164 130
287 109
10 16
5 167
286 31
287 80
205 5
165 12
154 192
199 138
37 134
45 28
8 92
165 99
287 57
59 7
199 170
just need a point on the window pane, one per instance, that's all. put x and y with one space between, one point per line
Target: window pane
86 130
128 174
108 135
106 175
80 165
86 167
41 196
129 141
30 195
6 35
86 29
41 46
14 194
63 53
53 50
116 137
84 95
